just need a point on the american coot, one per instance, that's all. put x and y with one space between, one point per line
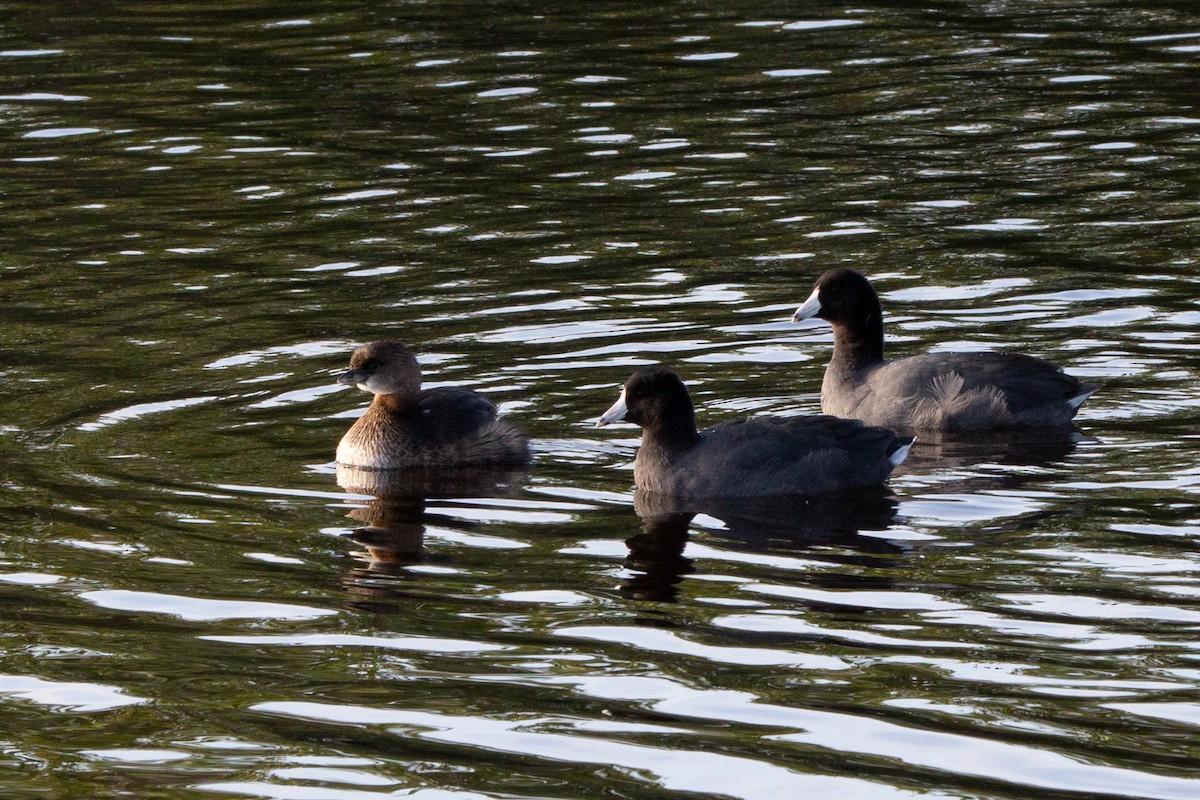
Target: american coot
753 457
940 391
406 426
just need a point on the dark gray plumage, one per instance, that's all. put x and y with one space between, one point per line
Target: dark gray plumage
935 391
406 426
754 457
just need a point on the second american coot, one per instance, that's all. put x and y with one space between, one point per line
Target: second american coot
754 457
406 426
934 391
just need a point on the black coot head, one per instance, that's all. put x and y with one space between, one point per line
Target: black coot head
840 295
654 398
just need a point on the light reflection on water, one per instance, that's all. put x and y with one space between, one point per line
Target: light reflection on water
205 210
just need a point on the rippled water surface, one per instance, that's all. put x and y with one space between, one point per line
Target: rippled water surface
205 208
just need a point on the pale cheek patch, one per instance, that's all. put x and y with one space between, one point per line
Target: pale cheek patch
373 386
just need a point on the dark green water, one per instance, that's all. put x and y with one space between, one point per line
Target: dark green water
203 210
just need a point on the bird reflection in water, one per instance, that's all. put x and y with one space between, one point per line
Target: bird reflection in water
1033 448
394 519
755 524
656 556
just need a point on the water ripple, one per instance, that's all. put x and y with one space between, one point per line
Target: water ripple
675 769
197 609
667 642
74 697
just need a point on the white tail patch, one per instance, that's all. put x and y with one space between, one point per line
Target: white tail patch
901 453
1077 400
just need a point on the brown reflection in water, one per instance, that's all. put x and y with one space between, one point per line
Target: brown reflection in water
394 521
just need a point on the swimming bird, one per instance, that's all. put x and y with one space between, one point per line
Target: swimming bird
933 391
750 457
407 426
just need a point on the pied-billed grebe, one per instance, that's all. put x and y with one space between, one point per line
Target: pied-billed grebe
406 426
754 457
934 391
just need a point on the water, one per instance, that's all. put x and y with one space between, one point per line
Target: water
205 209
